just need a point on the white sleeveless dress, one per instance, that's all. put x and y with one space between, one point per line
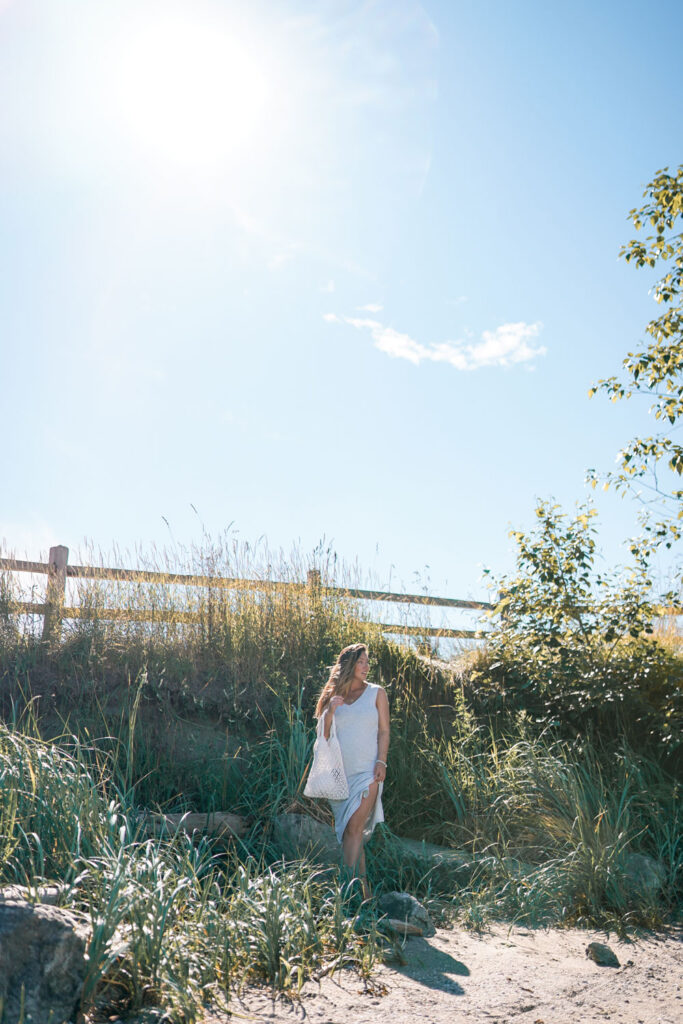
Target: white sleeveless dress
357 726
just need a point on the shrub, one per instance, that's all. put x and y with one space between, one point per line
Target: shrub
575 648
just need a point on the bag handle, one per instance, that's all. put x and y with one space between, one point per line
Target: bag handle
321 728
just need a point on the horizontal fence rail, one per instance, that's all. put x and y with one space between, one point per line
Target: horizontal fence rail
54 609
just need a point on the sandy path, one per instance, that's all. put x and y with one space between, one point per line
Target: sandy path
530 977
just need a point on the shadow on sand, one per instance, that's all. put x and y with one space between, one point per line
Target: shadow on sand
432 967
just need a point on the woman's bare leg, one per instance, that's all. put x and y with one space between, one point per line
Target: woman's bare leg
352 840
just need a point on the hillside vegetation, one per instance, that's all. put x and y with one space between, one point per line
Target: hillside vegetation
549 757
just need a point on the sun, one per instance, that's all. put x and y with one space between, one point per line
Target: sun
190 93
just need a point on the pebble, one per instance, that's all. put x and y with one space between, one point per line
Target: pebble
601 954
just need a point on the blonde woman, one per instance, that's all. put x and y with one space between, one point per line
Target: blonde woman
361 713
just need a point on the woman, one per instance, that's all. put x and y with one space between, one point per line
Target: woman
361 714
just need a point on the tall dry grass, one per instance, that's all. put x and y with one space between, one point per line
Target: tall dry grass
208 648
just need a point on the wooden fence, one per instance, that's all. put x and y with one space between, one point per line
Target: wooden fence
57 569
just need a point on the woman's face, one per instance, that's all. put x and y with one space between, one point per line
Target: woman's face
362 665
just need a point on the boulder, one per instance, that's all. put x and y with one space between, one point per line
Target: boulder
430 851
643 876
447 867
297 836
42 962
50 893
220 825
405 915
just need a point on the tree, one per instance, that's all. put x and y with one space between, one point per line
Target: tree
656 370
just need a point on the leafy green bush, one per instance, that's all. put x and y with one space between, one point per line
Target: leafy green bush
575 648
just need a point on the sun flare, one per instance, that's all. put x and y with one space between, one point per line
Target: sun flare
191 93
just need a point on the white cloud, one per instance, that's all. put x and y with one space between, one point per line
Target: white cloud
506 345
372 307
396 345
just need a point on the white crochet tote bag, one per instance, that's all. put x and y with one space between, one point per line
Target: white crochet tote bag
327 778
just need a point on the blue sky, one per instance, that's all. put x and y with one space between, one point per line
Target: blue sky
326 269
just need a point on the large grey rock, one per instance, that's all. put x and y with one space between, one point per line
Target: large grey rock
298 836
405 914
42 962
430 851
643 876
50 893
448 868
220 825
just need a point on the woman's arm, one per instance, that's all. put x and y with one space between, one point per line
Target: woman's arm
382 735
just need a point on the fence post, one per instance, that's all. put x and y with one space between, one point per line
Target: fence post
55 593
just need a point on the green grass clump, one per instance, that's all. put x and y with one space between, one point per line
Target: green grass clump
173 923
52 808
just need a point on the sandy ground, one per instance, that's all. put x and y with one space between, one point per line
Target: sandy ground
517 975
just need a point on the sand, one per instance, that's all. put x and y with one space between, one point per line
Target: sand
519 975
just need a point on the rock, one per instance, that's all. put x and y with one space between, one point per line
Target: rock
298 836
601 954
422 850
447 868
402 909
643 876
402 927
221 825
47 894
514 867
42 962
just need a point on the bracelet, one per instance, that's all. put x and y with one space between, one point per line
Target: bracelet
381 762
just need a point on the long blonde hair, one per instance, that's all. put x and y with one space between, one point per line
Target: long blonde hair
341 676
